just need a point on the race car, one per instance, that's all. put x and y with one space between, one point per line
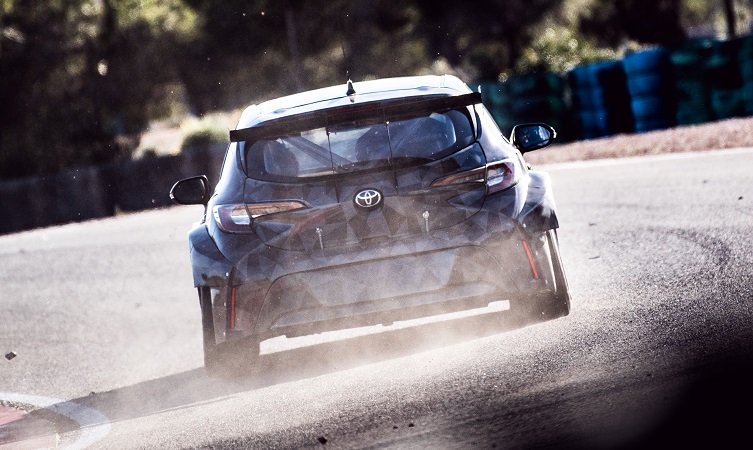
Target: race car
368 203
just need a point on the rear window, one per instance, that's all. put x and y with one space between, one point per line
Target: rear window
361 145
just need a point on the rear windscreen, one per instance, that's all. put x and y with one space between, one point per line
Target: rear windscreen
348 147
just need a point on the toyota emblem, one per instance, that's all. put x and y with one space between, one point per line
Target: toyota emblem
368 198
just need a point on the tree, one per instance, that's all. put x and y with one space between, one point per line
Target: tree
252 50
644 21
488 35
729 16
79 79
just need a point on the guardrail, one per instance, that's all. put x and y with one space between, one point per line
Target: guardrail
101 191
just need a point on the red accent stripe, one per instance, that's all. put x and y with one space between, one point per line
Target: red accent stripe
530 260
232 308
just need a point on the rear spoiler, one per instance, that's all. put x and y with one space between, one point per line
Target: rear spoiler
371 110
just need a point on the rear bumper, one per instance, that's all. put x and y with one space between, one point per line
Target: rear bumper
382 290
376 312
379 285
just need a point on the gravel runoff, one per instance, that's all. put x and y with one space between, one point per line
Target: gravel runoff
730 133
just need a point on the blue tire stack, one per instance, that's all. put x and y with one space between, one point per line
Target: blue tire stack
692 93
650 83
600 100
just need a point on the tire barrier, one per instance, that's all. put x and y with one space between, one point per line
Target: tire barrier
600 100
700 81
725 80
692 94
496 98
650 84
538 97
96 192
745 64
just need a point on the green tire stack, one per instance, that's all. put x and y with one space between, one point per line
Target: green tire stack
496 98
725 80
692 91
745 62
538 97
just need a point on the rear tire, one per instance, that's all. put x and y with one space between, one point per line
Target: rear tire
226 359
555 302
559 302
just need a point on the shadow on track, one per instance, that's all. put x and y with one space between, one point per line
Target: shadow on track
194 387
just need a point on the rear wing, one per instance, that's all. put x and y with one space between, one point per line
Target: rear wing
372 110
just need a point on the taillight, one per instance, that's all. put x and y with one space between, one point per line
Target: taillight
498 176
238 218
233 218
501 175
471 176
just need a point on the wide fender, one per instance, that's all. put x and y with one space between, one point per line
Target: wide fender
210 267
539 212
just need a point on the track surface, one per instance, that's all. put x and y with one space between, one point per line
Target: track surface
105 324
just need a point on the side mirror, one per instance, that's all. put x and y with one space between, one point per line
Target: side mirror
191 191
532 136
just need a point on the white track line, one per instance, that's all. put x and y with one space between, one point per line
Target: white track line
93 424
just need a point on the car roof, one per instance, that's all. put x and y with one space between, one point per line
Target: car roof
336 96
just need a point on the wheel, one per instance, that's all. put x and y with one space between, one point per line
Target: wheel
555 302
559 304
226 359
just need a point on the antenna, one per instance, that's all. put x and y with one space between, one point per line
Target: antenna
350 90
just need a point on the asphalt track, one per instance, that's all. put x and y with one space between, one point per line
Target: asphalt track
104 324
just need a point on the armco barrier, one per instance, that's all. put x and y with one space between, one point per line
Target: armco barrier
145 183
95 192
22 204
72 196
80 194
